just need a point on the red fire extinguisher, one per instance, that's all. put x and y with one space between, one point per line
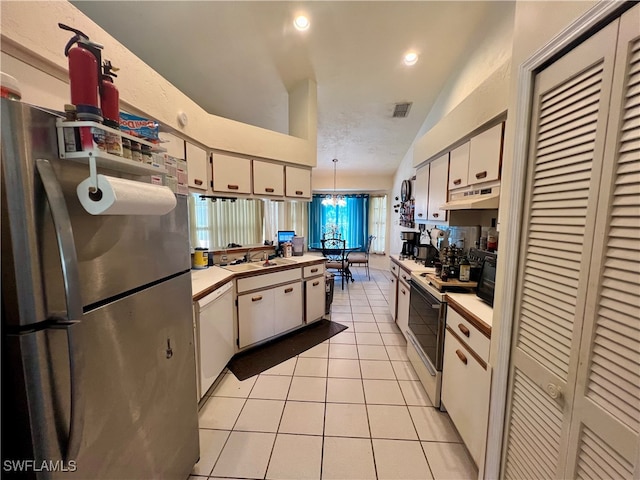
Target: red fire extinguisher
84 74
109 96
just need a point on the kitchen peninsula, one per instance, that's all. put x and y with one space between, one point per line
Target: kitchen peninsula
239 306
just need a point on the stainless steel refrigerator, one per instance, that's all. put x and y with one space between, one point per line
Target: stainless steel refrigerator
98 366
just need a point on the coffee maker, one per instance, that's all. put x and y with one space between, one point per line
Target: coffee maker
410 239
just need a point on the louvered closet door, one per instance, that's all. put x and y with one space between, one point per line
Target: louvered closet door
605 428
565 161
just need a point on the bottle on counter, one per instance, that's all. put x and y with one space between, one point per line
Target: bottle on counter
492 237
465 270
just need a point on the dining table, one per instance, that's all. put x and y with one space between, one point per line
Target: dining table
317 247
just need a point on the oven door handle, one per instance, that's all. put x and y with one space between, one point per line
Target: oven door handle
421 354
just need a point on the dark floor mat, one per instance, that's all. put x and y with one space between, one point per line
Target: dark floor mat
263 357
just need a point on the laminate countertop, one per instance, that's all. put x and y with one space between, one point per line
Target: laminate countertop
206 280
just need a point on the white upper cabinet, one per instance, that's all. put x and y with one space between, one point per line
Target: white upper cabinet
298 182
268 178
438 182
421 193
459 166
231 174
485 154
174 145
196 167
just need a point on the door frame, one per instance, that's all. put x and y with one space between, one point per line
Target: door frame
588 23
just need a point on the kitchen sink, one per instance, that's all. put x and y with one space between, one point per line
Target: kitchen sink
242 267
279 261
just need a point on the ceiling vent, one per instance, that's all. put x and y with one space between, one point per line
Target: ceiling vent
401 110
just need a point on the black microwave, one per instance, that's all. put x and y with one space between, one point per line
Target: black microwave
487 280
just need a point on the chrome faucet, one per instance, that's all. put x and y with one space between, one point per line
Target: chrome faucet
247 256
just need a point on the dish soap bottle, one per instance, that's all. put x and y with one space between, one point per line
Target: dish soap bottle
492 237
465 270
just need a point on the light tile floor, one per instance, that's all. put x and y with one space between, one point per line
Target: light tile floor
350 408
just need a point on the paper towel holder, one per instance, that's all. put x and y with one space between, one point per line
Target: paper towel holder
95 193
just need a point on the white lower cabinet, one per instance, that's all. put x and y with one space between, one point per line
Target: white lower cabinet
288 307
315 299
404 292
466 384
393 297
255 317
265 313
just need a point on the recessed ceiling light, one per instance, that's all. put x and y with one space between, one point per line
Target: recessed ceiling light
410 58
301 23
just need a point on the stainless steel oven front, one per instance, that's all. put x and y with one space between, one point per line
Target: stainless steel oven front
427 317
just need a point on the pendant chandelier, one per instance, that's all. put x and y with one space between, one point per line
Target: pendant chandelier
334 200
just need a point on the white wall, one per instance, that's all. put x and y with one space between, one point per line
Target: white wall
30 33
489 60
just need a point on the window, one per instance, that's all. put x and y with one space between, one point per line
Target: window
378 222
350 222
216 224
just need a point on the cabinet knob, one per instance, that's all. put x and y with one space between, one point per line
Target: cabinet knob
419 214
256 299
457 181
315 284
197 181
436 215
299 192
463 329
314 270
232 187
461 356
269 190
403 292
480 175
288 290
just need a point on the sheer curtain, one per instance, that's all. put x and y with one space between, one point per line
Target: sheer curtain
285 216
350 221
216 224
378 223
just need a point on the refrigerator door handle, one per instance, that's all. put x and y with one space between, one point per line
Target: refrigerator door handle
71 279
76 417
64 236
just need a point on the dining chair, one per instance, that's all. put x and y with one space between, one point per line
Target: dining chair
333 250
361 258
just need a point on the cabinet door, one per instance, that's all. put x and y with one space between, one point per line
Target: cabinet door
465 394
421 193
404 291
438 174
298 182
484 155
315 299
459 166
288 307
196 167
268 178
255 317
231 174
174 145
393 298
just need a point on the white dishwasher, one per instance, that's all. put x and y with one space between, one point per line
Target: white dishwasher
214 335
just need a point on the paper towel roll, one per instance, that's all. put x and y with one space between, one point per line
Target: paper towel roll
118 196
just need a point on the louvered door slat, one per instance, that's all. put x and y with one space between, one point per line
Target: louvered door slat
540 287
548 244
554 172
595 456
565 136
555 279
569 124
564 161
552 252
553 309
528 403
575 151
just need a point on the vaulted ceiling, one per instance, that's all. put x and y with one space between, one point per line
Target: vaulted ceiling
238 59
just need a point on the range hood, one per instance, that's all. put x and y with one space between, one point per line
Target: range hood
485 198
